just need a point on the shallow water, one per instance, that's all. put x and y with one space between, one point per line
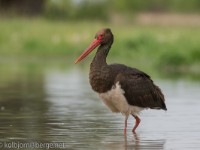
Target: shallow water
58 107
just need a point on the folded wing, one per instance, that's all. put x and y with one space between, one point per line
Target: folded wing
140 90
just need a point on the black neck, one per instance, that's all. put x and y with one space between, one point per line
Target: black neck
101 54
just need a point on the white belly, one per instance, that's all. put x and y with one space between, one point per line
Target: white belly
116 101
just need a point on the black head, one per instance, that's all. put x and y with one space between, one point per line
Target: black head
103 37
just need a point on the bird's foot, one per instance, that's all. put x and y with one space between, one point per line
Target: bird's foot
133 131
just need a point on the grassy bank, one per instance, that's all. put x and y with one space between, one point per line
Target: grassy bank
171 49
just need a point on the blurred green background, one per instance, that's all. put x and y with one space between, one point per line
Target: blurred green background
45 97
155 35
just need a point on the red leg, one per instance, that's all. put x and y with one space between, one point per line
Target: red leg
137 122
125 125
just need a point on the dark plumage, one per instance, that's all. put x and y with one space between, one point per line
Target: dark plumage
135 88
139 88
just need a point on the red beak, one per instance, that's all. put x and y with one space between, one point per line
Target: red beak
88 50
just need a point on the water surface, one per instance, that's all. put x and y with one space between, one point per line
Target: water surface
58 106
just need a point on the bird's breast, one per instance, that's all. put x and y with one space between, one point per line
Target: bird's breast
100 80
116 101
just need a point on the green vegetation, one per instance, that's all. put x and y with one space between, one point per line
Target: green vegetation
103 9
97 9
169 49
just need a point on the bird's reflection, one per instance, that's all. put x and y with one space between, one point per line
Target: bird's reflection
136 138
135 143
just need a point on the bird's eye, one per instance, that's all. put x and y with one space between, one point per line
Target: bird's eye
100 36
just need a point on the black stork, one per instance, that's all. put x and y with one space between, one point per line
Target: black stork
122 88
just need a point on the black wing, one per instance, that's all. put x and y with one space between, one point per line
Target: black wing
140 90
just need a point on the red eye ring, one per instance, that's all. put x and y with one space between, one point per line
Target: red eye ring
100 36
